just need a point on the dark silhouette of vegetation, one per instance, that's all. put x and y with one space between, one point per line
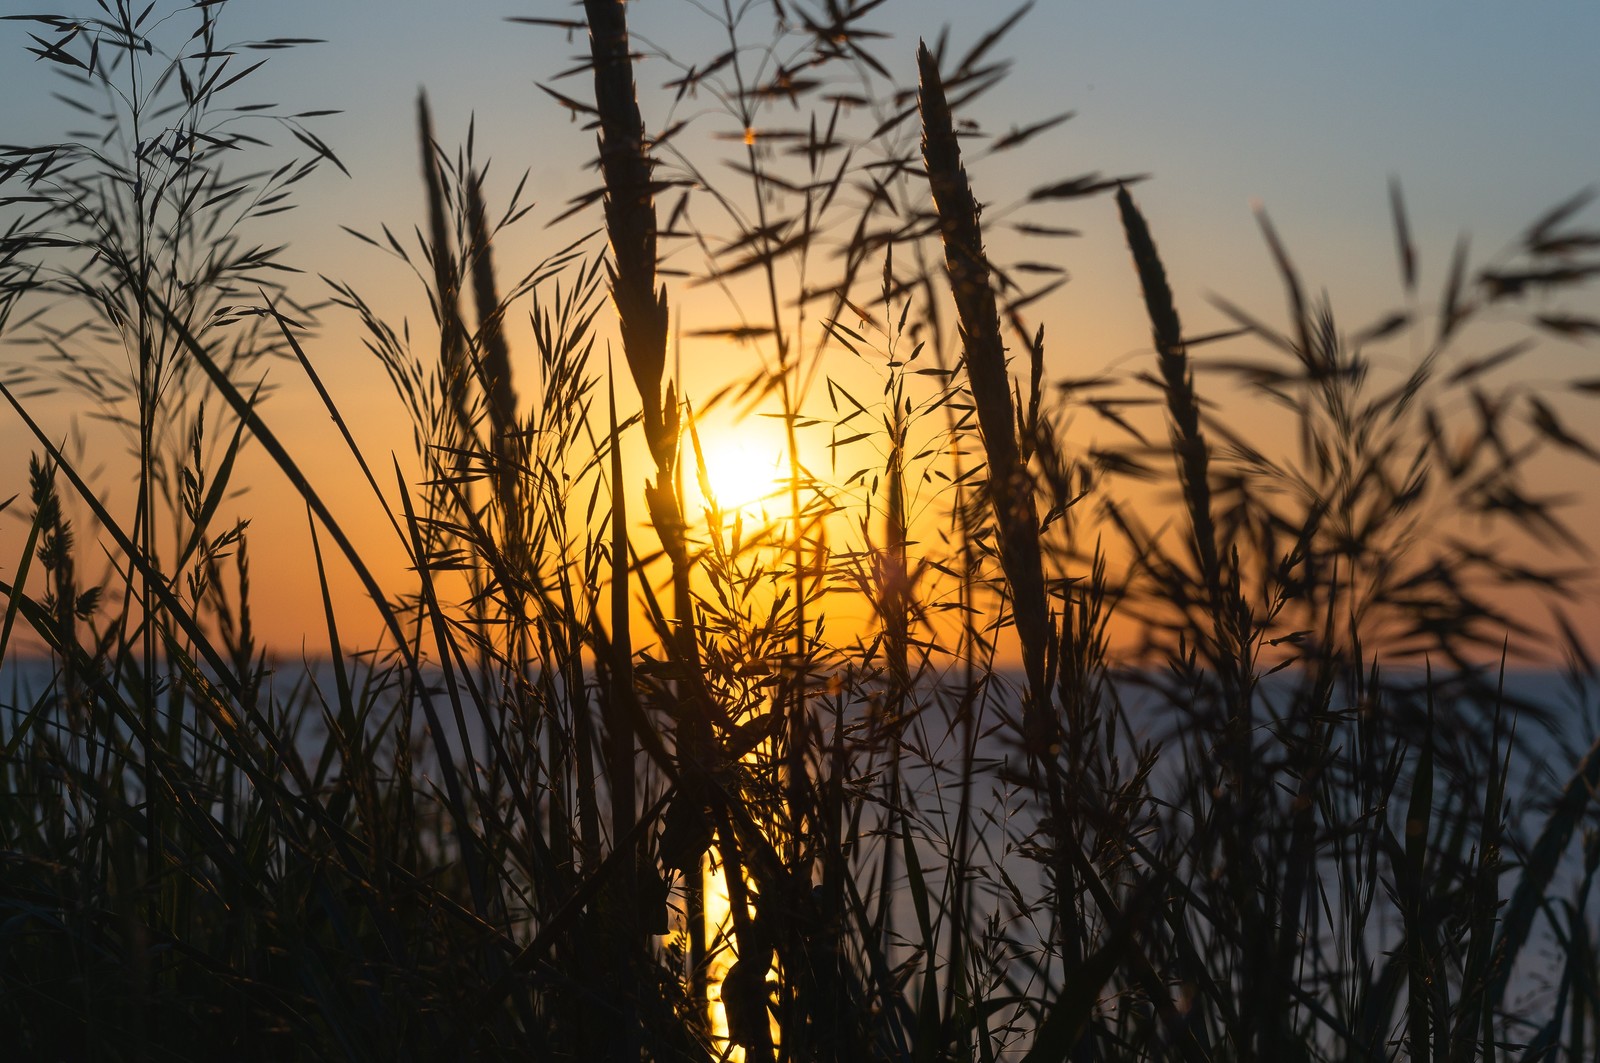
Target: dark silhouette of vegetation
559 814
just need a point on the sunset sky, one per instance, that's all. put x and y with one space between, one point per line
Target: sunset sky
1486 113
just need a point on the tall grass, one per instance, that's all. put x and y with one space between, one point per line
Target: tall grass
625 791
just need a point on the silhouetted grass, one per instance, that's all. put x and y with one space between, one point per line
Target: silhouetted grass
1288 822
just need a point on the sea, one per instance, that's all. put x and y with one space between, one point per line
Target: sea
1545 723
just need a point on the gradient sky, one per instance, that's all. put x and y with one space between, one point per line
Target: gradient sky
1486 112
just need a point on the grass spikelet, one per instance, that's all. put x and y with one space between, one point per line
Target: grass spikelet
1188 442
446 276
1009 488
495 354
631 224
493 363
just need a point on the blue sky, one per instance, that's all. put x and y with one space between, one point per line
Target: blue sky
1486 112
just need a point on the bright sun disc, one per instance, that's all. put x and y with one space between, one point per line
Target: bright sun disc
742 475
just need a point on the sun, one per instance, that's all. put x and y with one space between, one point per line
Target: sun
743 470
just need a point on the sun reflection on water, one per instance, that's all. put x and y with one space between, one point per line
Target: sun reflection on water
721 950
